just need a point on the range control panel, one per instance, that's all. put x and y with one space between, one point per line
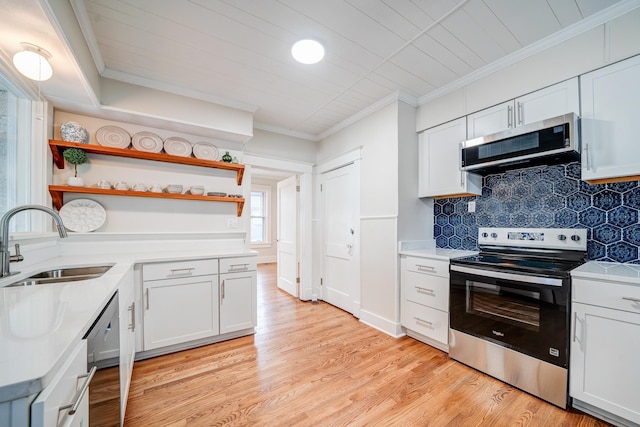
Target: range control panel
552 238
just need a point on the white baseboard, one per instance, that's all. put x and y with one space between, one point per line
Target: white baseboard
266 259
383 325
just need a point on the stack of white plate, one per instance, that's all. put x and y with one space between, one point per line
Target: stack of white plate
147 141
177 146
113 136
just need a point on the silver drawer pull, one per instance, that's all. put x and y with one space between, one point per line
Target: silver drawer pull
132 309
431 291
182 271
239 267
631 299
75 405
426 267
417 319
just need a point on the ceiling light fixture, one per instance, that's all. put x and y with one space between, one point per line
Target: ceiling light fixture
307 51
33 62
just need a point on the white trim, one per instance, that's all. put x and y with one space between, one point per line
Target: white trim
305 236
292 166
287 132
602 17
374 217
340 160
384 325
269 259
266 190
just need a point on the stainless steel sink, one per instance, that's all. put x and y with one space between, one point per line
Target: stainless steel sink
72 274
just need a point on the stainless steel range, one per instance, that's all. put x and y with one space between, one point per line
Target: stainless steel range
510 307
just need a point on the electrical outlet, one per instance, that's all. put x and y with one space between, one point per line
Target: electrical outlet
471 206
233 223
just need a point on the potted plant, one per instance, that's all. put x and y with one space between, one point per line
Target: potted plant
75 156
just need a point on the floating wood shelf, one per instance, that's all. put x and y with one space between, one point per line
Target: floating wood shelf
58 190
57 147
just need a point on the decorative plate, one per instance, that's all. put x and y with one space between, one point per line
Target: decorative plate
205 151
83 215
147 141
177 146
73 132
113 136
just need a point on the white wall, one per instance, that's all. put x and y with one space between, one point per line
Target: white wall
274 145
144 215
614 41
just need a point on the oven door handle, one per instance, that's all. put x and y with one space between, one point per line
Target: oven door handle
537 280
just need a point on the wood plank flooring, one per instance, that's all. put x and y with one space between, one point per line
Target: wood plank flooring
315 365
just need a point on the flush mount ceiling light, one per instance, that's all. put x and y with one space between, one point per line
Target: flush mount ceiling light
307 51
33 62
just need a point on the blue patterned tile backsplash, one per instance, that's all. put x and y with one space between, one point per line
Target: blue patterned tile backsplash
547 196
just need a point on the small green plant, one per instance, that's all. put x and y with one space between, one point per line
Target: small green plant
76 157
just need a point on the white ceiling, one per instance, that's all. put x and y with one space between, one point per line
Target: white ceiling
236 52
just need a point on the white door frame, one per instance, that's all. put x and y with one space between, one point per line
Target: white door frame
350 157
305 234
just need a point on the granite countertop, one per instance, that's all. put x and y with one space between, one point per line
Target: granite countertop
599 270
427 249
40 325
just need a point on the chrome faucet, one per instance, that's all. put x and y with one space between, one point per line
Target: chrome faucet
7 258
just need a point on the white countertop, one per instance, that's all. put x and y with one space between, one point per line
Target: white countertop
625 273
427 249
40 325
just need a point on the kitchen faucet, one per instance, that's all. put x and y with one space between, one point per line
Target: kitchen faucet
7 258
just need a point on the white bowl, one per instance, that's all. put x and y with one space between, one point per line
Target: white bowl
174 188
197 190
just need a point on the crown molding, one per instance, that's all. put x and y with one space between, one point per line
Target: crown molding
287 132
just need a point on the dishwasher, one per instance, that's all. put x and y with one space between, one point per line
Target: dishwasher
103 353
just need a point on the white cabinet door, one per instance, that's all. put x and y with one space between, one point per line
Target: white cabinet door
126 295
179 310
610 124
604 359
552 101
439 171
491 120
238 301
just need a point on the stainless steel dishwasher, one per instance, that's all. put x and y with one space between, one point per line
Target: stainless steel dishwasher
103 352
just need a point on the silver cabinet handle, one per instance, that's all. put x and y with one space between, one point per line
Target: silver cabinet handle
75 405
222 290
236 267
575 330
182 271
431 291
132 309
460 147
636 300
509 117
520 113
586 153
426 268
146 294
417 319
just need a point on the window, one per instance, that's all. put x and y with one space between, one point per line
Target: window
260 229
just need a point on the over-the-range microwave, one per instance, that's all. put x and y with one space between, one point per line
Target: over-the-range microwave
550 141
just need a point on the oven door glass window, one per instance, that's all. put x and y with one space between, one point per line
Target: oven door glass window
509 305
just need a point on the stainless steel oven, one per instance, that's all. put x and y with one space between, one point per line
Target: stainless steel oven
103 352
510 307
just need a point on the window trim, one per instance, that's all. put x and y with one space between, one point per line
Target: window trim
267 190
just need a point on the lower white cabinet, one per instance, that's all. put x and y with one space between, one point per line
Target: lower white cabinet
65 389
181 308
604 368
238 294
127 319
424 307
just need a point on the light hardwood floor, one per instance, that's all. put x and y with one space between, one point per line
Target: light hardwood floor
315 365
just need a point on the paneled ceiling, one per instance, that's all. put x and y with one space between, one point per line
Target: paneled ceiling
237 52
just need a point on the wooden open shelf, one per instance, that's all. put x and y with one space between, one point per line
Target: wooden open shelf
58 190
57 147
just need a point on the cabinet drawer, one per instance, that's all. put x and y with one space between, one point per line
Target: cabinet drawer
427 321
432 291
177 269
428 266
238 264
607 294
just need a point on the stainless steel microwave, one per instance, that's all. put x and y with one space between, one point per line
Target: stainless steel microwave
550 141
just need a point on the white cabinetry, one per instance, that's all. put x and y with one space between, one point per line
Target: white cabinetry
425 299
543 104
180 302
610 125
68 386
238 299
439 162
604 367
127 314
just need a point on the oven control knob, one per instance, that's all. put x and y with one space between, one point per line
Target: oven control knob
575 238
494 235
485 235
562 237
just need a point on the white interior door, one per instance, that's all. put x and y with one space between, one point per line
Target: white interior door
341 282
287 239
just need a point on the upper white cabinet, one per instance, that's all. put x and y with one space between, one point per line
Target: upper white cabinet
604 349
543 104
439 171
610 122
